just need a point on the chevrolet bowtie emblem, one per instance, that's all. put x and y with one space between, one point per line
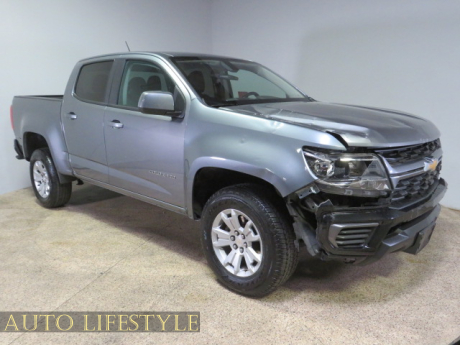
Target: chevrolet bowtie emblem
430 164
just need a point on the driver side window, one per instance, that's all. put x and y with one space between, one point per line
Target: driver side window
141 76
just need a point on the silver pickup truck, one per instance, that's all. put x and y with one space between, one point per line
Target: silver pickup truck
266 168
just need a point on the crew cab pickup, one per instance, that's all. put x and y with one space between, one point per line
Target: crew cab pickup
267 169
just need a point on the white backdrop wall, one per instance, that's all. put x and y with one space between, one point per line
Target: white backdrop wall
394 54
41 41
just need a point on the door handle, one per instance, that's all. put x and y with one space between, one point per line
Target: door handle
116 124
72 115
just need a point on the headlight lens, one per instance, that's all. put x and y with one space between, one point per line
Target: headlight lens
356 174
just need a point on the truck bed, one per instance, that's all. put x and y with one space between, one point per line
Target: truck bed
40 115
35 112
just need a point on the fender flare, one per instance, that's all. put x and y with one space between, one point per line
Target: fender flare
249 169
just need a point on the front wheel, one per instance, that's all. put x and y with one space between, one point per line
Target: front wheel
248 239
45 181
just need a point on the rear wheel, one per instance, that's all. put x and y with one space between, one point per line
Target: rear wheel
45 181
248 239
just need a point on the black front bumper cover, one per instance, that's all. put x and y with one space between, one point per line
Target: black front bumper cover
399 229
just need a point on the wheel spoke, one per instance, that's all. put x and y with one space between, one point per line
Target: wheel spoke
236 263
249 232
37 176
221 233
222 242
235 221
232 221
252 237
221 238
227 221
39 167
229 258
249 261
247 228
253 256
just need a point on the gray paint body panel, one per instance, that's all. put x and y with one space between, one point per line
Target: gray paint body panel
146 156
358 126
267 149
84 134
41 115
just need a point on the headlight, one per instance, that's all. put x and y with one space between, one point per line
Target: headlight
356 174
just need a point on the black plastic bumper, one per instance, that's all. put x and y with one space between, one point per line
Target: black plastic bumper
408 229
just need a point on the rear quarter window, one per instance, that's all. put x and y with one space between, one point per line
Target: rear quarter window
92 81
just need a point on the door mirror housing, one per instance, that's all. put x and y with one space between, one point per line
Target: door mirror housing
158 103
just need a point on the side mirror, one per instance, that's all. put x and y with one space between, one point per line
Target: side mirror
158 103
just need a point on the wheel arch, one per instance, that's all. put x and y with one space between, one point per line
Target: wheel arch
33 141
206 179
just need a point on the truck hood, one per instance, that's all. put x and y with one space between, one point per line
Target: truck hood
356 125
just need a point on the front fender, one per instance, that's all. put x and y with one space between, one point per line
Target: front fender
263 148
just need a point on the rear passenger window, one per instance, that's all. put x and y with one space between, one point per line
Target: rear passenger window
92 81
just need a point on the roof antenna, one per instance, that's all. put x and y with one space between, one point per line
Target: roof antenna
127 46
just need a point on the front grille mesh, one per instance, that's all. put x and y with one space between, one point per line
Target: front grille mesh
408 154
417 186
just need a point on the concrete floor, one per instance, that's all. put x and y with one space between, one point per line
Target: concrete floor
106 252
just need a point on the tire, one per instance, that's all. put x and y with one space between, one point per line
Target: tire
261 255
45 181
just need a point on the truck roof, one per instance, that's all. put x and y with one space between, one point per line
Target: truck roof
162 54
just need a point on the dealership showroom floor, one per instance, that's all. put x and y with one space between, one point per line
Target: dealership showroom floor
107 252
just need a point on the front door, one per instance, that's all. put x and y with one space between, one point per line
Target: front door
145 153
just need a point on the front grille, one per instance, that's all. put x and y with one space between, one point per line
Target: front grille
351 235
417 186
353 238
403 155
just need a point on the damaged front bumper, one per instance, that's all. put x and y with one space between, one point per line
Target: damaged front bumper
365 234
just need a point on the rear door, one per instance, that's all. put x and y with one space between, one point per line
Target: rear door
145 153
83 118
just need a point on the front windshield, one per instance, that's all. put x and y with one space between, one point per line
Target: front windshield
224 82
